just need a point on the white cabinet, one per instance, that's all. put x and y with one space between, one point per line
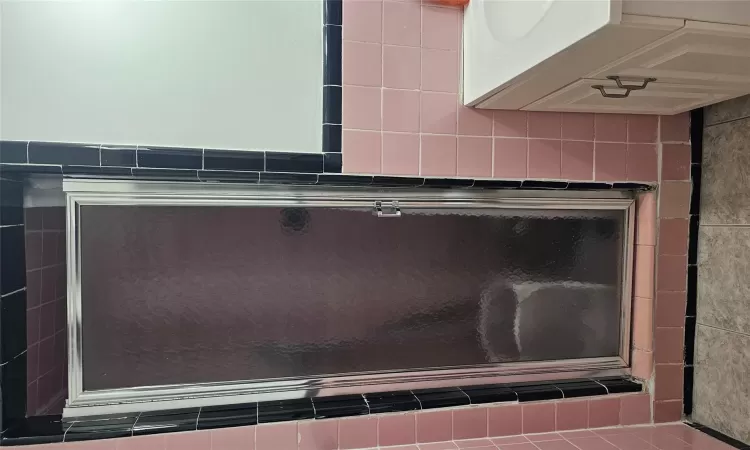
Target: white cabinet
551 59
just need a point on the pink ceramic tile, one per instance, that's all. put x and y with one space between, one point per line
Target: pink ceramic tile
610 127
401 110
645 232
610 161
440 70
49 248
357 433
438 446
32 362
281 436
578 433
577 160
544 125
199 440
49 279
469 423
404 447
604 412
504 420
572 415
510 440
361 108
441 27
674 199
555 445
527 446
628 442
32 402
396 429
672 275
541 437
643 323
34 250
33 219
47 320
46 355
434 426
642 163
592 443
670 309
474 157
155 442
511 158
318 435
438 112
675 162
642 128
401 23
362 63
401 67
32 325
643 364
644 271
544 158
234 438
400 154
438 156
673 236
538 417
510 123
668 382
362 20
635 409
362 151
667 442
33 288
578 126
474 443
474 122
675 128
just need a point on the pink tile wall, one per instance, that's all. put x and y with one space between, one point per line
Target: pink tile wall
46 314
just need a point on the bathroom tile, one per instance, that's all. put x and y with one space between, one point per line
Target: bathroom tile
572 415
401 23
332 12
164 174
668 382
401 110
440 70
441 398
441 28
101 427
674 199
618 385
645 232
294 162
13 152
166 421
610 127
635 409
528 446
578 126
13 316
642 128
228 416
673 236
544 125
280 436
233 160
510 123
592 443
63 153
726 162
331 138
112 155
12 264
361 108
434 426
236 438
170 158
510 440
332 55
285 410
642 364
478 444
438 156
400 154
340 406
511 157
538 417
675 128
151 442
675 162
610 161
670 309
644 271
672 275
318 435
401 67
358 433
489 394
643 323
363 20
362 151
474 122
544 158
383 402
578 388
362 64
438 112
469 423
577 162
333 104
531 392
474 156
642 162
670 346
604 412
397 429
438 446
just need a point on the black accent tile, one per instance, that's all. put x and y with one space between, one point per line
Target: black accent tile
11 202
340 406
397 181
288 178
332 14
693 239
165 174
65 154
344 180
11 215
12 326
589 186
332 105
695 193
285 410
536 184
720 436
35 430
332 162
103 427
448 182
118 156
228 176
687 390
12 260
383 402
441 398
691 308
228 416
13 379
234 160
696 136
578 388
97 171
13 152
331 138
489 394
164 421
497 184
617 385
31 168
689 340
170 158
294 162
331 56
531 392
631 186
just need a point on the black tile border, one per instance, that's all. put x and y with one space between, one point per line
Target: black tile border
332 77
45 429
719 436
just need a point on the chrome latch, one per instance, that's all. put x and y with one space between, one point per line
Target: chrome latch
388 209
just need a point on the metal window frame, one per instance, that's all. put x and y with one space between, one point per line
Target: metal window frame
159 193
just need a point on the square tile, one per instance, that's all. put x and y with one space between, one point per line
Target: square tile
434 426
670 309
474 122
194 440
642 162
610 161
604 412
363 20
674 199
510 123
474 157
675 162
504 420
279 436
635 409
578 126
440 70
610 127
469 423
362 64
401 67
538 417
511 158
441 28
669 382
545 124
675 128
673 236
358 433
642 128
544 158
438 113
672 275
233 438
572 415
362 151
400 154
397 429
438 156
577 160
361 108
318 435
401 23
401 110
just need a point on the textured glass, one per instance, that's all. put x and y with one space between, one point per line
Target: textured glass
204 294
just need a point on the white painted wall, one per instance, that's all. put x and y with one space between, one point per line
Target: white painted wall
211 73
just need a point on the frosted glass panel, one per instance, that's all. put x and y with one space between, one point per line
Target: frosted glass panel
206 294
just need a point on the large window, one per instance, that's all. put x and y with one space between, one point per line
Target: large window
264 293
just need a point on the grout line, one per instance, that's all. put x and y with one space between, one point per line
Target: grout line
14 292
11 226
197 418
605 387
132 429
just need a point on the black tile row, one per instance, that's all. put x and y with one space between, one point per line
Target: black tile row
332 77
720 436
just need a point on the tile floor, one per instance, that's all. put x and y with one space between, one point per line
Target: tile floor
660 437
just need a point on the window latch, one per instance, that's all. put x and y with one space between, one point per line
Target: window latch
387 209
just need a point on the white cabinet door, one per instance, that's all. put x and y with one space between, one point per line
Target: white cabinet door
698 53
656 98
